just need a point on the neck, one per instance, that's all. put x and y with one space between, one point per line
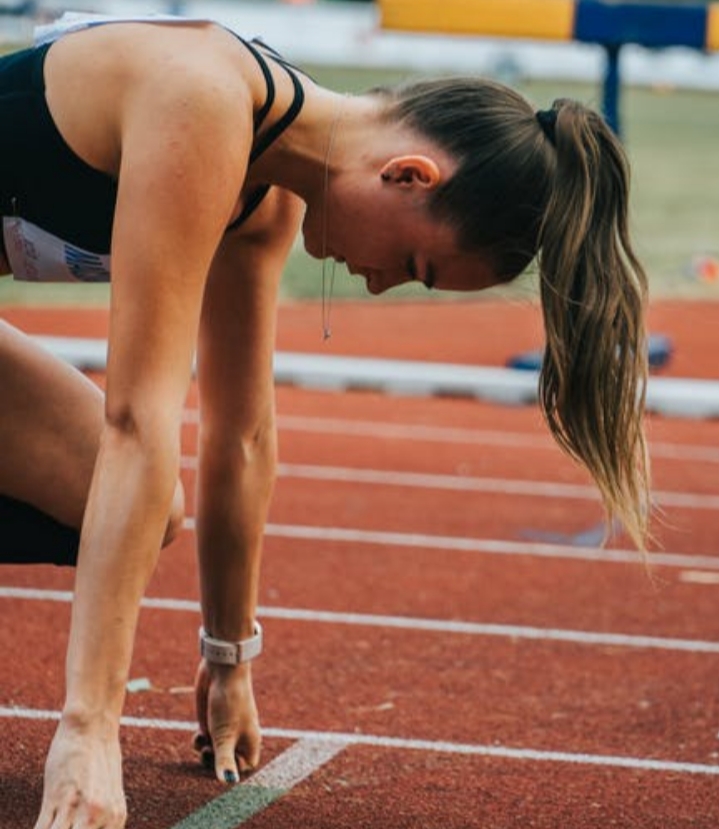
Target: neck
331 131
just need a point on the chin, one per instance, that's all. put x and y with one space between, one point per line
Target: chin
311 242
311 250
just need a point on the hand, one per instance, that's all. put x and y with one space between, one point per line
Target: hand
83 781
229 736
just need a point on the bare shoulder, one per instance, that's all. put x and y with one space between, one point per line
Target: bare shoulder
99 79
132 50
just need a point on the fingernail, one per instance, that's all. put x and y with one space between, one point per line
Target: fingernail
231 777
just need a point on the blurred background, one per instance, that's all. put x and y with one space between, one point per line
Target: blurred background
669 114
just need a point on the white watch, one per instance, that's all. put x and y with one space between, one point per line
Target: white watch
221 652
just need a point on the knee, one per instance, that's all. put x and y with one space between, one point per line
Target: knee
177 516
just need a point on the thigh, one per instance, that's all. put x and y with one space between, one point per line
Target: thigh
51 419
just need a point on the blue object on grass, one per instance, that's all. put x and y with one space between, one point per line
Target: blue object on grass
660 352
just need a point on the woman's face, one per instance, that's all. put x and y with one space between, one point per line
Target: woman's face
386 235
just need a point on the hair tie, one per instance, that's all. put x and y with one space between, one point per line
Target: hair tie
547 119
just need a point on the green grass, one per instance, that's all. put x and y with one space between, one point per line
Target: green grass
672 137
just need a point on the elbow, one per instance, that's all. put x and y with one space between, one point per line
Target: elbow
176 520
123 419
258 447
152 446
245 452
148 430
254 458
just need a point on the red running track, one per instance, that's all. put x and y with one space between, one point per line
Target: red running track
427 579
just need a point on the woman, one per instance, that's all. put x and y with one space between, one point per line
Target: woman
194 158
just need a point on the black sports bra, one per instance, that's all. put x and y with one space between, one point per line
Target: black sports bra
263 140
58 211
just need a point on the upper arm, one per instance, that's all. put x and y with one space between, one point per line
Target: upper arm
184 157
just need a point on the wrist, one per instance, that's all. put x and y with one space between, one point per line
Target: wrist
224 652
224 623
88 722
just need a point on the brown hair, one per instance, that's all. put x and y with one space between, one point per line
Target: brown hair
559 190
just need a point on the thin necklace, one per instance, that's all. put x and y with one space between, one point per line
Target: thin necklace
327 295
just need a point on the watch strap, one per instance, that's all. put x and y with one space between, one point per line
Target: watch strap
221 652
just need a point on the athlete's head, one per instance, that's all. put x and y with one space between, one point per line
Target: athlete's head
553 184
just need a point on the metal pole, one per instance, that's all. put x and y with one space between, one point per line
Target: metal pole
612 86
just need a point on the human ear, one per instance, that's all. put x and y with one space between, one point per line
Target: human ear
418 170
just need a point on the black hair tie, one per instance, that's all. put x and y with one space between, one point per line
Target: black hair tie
548 122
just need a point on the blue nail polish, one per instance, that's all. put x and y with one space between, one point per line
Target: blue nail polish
231 777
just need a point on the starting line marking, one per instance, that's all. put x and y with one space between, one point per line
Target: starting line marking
339 741
271 782
297 763
232 808
579 637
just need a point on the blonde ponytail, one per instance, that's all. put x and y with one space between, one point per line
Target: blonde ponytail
554 183
593 293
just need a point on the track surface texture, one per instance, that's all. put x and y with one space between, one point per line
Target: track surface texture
447 644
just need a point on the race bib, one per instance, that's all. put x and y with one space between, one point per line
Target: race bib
77 21
38 256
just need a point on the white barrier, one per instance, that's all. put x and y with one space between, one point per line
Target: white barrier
672 397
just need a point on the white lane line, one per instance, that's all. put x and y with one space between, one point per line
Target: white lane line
297 763
403 431
307 532
465 483
578 637
239 803
501 486
423 480
699 577
581 637
377 741
455 434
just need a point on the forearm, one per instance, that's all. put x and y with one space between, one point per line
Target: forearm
122 533
233 497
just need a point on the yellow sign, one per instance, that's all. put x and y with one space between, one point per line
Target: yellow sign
539 19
